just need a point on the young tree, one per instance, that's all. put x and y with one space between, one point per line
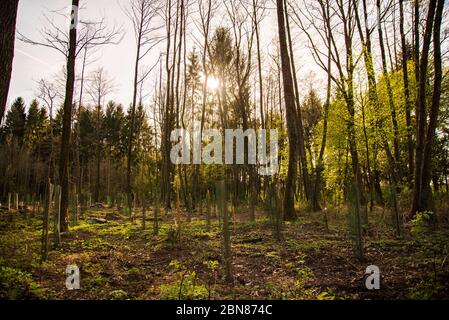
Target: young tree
98 88
142 14
16 121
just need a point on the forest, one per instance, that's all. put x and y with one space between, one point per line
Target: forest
255 150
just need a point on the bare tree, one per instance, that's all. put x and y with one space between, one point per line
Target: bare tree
70 44
391 102
99 86
143 14
48 92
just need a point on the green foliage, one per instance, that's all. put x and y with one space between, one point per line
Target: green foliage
421 222
212 265
185 287
118 295
17 285
300 290
36 127
16 120
425 290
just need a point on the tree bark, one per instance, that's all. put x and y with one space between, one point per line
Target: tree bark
289 96
408 106
8 17
129 157
389 93
426 194
67 123
320 165
421 112
299 124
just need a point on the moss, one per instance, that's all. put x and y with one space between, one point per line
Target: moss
118 295
95 282
17 285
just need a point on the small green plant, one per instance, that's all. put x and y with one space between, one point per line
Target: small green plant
422 222
185 287
212 266
174 234
303 275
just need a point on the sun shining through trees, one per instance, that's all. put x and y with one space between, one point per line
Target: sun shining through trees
344 102
213 83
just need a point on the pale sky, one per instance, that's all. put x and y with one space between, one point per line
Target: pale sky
32 63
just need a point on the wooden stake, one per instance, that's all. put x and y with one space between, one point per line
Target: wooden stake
57 216
226 235
44 249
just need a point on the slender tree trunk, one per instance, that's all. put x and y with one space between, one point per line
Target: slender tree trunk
300 127
98 151
426 194
67 124
206 29
421 112
167 119
289 96
129 159
79 180
389 93
368 161
320 165
259 65
408 106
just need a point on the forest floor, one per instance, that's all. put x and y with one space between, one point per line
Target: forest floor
119 260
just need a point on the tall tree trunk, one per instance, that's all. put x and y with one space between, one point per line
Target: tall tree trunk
129 158
98 151
368 161
426 194
8 17
165 172
320 165
206 30
259 65
289 96
79 180
421 112
408 105
300 127
389 93
67 122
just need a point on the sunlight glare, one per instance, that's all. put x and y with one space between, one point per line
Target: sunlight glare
213 83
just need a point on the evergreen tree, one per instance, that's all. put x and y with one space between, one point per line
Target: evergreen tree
16 121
